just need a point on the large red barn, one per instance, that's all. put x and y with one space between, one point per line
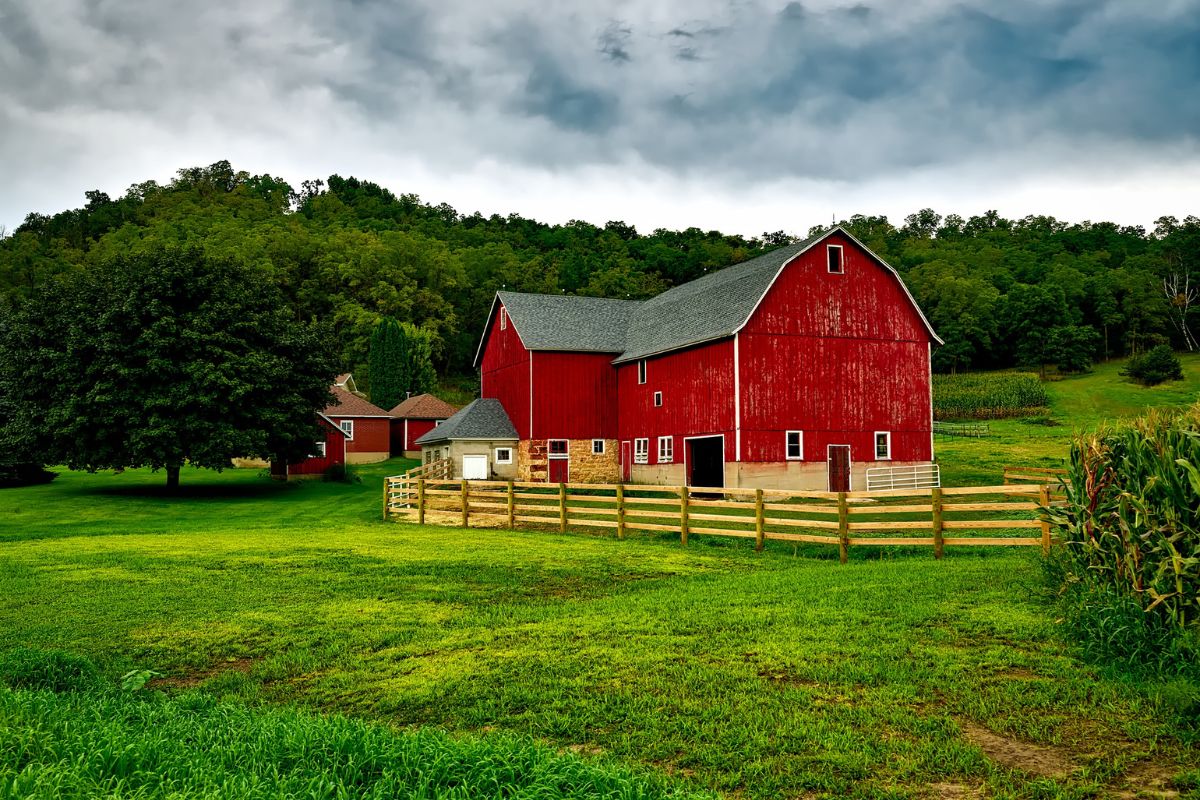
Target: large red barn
798 369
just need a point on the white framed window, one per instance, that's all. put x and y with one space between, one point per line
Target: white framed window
557 447
319 448
347 426
834 252
666 449
437 422
883 445
642 371
503 318
503 455
795 446
597 447
658 399
641 451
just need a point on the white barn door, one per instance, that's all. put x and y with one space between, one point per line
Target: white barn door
475 468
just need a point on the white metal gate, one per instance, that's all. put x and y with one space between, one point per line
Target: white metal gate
916 476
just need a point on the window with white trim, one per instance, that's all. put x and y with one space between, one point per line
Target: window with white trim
641 451
558 447
834 252
642 371
319 448
883 445
658 399
503 455
428 456
503 318
666 449
795 446
597 447
437 422
347 426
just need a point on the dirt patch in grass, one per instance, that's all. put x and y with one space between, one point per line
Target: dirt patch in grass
1146 780
194 679
1036 759
955 791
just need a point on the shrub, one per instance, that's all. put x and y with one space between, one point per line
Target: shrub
1129 573
1154 366
27 668
988 395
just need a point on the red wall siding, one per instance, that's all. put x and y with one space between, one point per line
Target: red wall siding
416 429
697 387
838 357
574 396
371 434
504 374
333 454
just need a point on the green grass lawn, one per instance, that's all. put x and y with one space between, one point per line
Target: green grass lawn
1077 403
710 668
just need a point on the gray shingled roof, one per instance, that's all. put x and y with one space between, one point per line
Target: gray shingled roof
480 419
569 322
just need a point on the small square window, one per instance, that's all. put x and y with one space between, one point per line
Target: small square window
503 455
883 445
658 399
319 449
835 259
641 451
795 445
348 427
558 447
666 449
598 447
642 371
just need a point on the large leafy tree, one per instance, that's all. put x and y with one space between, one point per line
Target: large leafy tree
165 358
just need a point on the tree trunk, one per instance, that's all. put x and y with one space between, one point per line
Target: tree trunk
173 478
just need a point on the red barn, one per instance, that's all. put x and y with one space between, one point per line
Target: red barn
329 451
367 427
798 369
415 417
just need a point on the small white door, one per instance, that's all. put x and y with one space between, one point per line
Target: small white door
475 468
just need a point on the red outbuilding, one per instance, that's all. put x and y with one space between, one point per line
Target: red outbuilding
329 451
415 417
367 427
802 368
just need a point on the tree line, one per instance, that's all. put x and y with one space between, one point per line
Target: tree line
349 253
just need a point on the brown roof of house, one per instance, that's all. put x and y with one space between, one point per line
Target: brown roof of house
424 406
350 405
345 376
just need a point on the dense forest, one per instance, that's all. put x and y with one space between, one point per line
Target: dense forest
1001 292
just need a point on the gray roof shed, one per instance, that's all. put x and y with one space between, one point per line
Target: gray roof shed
483 419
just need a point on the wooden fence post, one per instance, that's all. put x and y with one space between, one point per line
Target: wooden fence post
760 533
512 516
843 528
620 511
466 504
683 515
1044 499
938 539
386 481
420 501
562 508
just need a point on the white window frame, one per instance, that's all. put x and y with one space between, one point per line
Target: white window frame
841 270
641 451
437 422
641 368
503 318
603 447
787 446
320 444
875 445
550 448
349 431
500 460
666 455
658 400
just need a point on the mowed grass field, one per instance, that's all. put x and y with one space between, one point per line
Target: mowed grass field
538 664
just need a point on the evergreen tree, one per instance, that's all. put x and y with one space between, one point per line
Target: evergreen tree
386 367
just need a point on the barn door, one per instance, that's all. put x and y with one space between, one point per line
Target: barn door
626 463
475 468
559 469
839 467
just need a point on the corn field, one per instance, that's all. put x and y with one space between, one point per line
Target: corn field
987 395
1130 523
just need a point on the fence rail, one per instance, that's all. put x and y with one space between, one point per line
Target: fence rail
967 516
401 491
974 429
1047 475
917 476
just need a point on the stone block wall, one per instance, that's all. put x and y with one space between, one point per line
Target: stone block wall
586 467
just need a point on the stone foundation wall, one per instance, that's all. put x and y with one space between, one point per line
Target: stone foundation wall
585 466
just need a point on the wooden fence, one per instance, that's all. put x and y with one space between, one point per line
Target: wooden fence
976 516
972 429
402 490
1046 475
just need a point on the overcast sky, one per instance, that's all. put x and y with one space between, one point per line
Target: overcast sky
741 115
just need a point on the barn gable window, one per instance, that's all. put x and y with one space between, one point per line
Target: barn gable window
503 455
348 427
641 451
642 371
319 448
835 259
658 399
795 445
597 447
666 449
883 445
503 318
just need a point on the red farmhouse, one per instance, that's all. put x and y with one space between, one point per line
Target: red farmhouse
798 369
367 426
329 451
